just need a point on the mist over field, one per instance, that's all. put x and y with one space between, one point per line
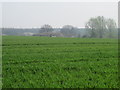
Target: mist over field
63 19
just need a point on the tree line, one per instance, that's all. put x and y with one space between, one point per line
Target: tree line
96 27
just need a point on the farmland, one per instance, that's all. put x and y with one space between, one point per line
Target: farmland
54 62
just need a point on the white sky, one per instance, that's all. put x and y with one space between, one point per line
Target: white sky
57 14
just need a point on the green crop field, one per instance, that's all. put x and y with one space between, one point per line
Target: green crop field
54 62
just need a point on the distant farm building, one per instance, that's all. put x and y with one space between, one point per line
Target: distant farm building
49 34
28 34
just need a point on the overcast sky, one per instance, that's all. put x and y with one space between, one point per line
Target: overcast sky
57 14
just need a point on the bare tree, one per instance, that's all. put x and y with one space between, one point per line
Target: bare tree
96 27
99 26
46 28
112 28
68 31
